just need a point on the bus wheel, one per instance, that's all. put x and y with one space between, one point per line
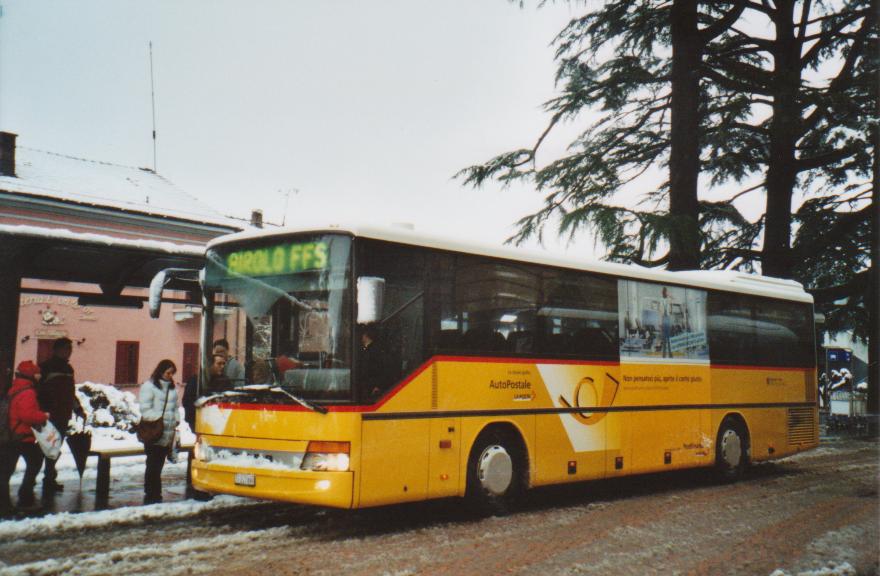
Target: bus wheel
495 473
731 450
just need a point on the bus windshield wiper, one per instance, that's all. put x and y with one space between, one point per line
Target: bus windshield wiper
304 403
278 388
254 388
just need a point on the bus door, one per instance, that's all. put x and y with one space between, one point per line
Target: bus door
394 461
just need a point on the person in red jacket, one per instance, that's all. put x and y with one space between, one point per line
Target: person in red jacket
24 413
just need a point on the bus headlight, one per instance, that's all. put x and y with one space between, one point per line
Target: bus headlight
327 456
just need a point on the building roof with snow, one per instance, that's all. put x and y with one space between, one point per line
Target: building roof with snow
55 190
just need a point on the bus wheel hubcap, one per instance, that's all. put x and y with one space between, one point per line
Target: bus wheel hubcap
496 470
731 448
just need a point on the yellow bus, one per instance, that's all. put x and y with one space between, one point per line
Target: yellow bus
381 367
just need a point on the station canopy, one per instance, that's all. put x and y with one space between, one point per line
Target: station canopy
110 262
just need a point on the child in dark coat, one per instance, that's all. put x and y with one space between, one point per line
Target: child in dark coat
57 395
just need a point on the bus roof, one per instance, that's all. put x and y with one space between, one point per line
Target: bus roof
710 279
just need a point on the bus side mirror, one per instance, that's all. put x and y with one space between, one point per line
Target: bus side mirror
156 286
370 299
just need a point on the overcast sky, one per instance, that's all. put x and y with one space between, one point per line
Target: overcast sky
358 109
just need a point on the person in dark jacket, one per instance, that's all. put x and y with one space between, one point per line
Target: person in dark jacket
190 395
373 365
24 413
234 370
57 396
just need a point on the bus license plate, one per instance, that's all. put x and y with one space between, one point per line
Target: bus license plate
245 480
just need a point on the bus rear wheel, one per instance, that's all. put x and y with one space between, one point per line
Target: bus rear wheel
495 473
731 450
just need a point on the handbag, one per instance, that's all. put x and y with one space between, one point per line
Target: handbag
149 431
49 440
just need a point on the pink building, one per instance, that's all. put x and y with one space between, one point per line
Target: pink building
80 241
111 345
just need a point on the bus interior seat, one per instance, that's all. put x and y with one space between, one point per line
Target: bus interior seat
484 339
316 380
559 344
449 340
521 342
595 341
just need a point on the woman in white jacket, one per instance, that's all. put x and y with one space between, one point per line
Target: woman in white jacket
158 399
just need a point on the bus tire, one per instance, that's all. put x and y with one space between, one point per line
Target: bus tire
731 450
496 472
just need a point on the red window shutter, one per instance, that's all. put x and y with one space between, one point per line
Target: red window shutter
127 354
190 361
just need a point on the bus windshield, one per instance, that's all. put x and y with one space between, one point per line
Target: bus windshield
284 306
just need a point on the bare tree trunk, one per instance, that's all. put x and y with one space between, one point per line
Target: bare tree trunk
785 129
684 155
874 290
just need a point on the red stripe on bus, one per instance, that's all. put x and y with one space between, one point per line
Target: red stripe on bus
362 408
402 384
768 368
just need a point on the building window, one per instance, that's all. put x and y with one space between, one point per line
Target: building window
127 362
190 361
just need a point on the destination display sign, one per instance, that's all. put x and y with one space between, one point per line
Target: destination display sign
288 258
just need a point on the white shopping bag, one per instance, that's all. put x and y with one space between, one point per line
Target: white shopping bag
49 440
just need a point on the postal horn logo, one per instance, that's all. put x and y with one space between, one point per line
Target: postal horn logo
586 395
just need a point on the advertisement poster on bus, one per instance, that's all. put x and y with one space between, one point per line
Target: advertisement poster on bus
662 323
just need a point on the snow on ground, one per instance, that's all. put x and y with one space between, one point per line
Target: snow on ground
66 522
148 558
109 418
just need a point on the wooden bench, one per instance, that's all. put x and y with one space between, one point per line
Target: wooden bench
105 455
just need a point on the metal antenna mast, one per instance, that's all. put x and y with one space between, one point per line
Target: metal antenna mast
287 202
153 100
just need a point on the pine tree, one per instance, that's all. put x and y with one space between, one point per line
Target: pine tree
766 113
652 112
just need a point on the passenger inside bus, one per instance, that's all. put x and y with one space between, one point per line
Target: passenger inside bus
261 373
374 374
217 380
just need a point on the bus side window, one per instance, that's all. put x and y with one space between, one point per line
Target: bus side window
401 326
731 329
578 316
480 306
783 333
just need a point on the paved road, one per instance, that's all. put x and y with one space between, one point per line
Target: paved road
817 511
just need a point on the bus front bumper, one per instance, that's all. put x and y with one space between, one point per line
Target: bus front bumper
333 489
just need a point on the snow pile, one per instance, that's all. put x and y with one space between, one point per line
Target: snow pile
110 417
833 569
105 406
247 460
